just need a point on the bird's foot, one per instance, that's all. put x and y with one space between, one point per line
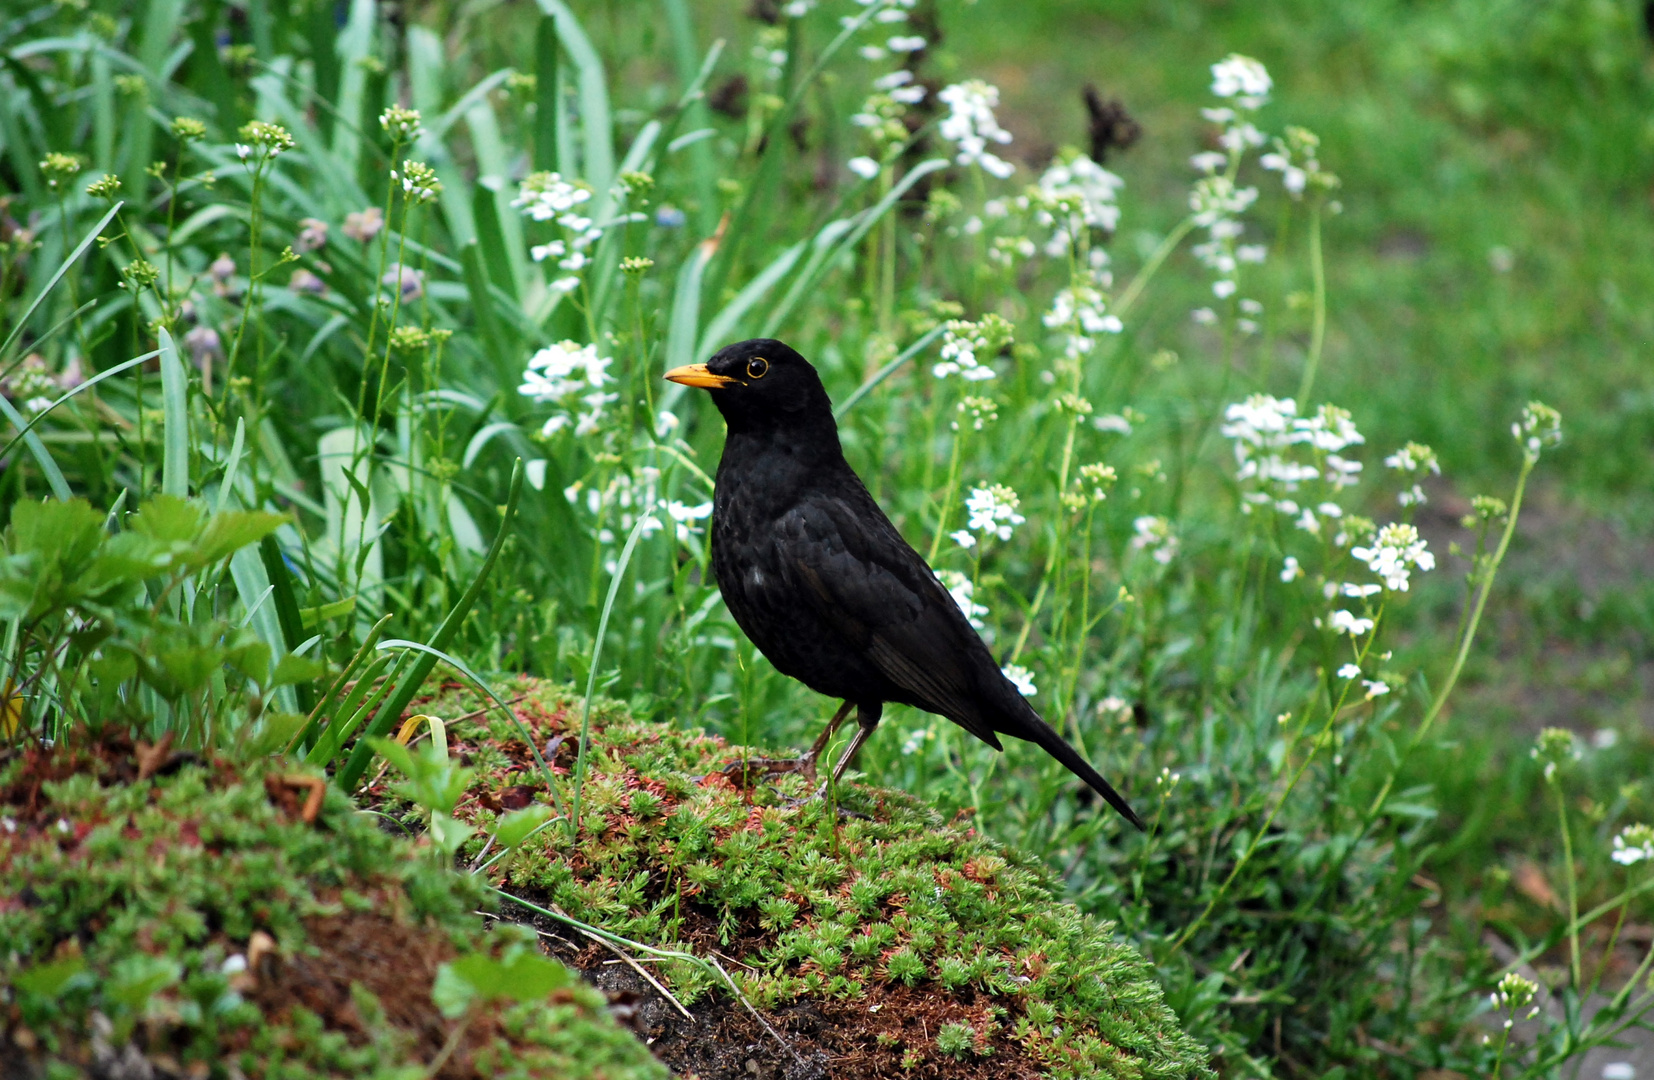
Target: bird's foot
748 772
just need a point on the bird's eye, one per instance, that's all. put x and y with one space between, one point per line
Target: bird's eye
757 367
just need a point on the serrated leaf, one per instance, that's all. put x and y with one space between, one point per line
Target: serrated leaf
228 531
51 979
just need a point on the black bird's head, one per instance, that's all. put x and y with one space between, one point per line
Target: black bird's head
762 384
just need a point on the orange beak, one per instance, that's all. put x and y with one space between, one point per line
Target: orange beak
697 375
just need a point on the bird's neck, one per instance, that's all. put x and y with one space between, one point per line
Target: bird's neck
780 461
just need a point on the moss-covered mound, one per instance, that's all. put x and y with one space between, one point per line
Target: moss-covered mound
203 922
876 939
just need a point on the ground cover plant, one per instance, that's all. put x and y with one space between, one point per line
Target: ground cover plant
384 299
204 917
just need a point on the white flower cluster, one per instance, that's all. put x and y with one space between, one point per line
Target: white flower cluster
1021 678
1082 310
1154 535
961 342
1295 159
963 591
1075 195
970 125
1634 844
1217 205
993 512
1395 553
889 11
618 504
1413 462
1267 432
1539 429
546 196
570 376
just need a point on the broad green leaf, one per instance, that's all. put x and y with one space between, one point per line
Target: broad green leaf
137 977
296 669
228 531
516 826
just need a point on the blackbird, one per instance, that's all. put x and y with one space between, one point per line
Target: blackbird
824 585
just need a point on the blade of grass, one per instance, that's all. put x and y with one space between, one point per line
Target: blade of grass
226 487
596 126
63 268
287 608
354 709
87 385
548 109
847 240
415 676
591 675
54 475
885 372
175 421
460 666
364 655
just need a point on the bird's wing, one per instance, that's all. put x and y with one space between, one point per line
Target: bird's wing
872 587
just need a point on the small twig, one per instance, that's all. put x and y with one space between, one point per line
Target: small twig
448 1047
755 1014
633 964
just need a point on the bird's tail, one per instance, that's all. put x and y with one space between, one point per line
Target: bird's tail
1047 738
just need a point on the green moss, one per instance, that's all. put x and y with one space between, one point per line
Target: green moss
133 908
818 906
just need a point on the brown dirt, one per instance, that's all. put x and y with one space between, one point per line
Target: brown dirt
864 1038
397 962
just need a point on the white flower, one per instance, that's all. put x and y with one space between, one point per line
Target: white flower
970 125
1112 422
1375 688
1348 671
1349 588
994 510
1223 289
1397 549
1209 162
570 376
544 196
963 590
961 341
1082 307
1204 316
963 538
906 44
864 167
1242 78
684 516
1634 844
542 252
1021 678
666 422
1154 535
1331 428
1343 622
1085 192
1290 570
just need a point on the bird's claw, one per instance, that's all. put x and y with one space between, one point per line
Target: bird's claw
746 773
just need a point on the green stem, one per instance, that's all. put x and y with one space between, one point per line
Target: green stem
1463 653
1318 328
1269 819
1573 897
1160 255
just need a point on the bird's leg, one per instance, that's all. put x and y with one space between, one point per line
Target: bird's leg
809 760
805 763
867 718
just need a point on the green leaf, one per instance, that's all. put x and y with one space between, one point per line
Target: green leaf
520 976
171 519
137 977
452 992
228 531
296 669
51 979
516 826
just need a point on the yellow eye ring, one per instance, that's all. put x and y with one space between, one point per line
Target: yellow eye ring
757 367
